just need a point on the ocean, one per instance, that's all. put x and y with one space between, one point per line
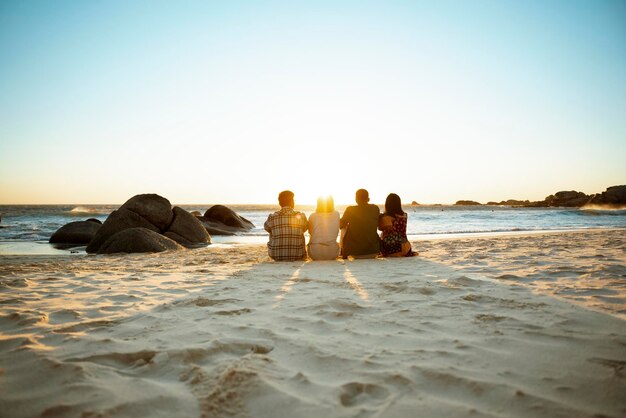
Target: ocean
22 226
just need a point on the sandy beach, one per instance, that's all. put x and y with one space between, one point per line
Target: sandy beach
505 326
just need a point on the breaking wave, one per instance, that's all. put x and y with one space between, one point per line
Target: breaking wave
603 210
79 210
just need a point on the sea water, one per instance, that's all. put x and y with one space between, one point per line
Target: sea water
24 225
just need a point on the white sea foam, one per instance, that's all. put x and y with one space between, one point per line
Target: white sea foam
79 210
601 210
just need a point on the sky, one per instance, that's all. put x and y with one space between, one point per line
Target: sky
234 101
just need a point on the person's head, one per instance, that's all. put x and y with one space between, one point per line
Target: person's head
325 205
362 197
393 205
285 199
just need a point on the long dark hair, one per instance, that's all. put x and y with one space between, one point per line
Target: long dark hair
393 205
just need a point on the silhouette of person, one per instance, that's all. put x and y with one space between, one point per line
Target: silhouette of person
361 222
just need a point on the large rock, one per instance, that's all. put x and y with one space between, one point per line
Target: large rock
228 217
567 199
186 229
79 232
138 240
568 195
221 220
154 208
117 221
614 196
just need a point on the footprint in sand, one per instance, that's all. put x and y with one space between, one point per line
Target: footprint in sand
19 282
63 316
85 326
234 312
204 302
618 366
356 393
489 318
464 281
119 360
395 287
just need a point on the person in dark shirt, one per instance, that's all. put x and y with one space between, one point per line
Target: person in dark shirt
361 222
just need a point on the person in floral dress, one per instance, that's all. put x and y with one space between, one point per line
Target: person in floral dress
392 223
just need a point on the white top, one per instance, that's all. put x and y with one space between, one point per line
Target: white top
323 227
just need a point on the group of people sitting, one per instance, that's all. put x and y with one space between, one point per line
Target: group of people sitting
359 230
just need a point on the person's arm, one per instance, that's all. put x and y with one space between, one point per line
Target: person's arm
336 224
305 223
385 222
309 226
343 222
267 226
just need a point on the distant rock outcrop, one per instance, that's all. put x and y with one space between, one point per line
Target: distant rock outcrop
614 196
414 203
138 240
75 233
153 213
510 202
221 220
467 203
567 199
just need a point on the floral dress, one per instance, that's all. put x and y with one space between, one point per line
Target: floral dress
392 238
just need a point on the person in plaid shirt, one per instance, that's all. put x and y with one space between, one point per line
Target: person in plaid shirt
286 228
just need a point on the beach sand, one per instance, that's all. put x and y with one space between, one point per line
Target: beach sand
523 326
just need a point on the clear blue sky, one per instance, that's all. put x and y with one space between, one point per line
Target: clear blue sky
231 101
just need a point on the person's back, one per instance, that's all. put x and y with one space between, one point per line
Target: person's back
324 228
393 222
286 228
361 221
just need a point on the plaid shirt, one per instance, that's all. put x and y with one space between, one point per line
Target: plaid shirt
286 228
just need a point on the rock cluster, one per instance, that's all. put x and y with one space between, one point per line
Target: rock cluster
151 213
148 223
614 196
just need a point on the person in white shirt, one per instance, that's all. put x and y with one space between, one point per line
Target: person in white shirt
324 228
